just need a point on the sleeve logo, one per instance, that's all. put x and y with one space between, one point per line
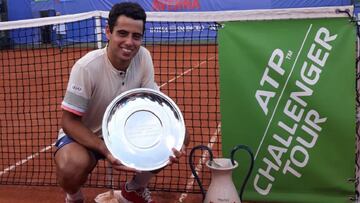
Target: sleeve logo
75 88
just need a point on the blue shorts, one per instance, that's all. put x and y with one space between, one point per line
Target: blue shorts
67 140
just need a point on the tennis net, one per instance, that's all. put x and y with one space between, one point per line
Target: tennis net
36 57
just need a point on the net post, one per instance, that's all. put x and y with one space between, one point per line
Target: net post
98 31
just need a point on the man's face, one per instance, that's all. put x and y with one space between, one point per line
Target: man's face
125 39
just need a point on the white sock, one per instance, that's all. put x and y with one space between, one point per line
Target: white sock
76 196
140 180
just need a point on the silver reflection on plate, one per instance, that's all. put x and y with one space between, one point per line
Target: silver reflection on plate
141 126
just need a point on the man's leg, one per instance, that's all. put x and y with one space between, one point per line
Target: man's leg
136 190
73 165
141 180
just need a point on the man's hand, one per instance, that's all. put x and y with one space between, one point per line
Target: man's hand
117 165
177 155
182 152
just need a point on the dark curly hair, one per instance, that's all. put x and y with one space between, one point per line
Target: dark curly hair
129 9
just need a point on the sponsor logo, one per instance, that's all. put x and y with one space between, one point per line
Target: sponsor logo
175 5
76 88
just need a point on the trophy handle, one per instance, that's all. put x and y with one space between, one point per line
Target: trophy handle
246 148
193 168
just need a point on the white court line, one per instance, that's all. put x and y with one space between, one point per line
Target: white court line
186 72
201 161
12 167
34 155
282 91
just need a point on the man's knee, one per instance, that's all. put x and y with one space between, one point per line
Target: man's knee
73 163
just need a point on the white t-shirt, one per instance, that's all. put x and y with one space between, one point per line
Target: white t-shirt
94 83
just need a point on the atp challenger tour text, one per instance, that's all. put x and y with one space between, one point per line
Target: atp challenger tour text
290 136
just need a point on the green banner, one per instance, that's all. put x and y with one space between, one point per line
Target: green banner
288 92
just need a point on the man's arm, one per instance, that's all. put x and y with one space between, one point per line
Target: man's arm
182 152
73 127
187 138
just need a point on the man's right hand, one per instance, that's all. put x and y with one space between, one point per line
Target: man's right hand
116 164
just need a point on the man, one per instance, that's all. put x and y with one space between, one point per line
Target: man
95 80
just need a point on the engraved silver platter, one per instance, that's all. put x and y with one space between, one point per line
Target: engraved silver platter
141 126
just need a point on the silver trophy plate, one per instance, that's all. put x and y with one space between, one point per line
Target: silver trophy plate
141 126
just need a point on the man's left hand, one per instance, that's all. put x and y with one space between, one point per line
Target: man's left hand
182 152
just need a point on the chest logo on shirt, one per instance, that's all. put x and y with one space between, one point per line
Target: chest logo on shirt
76 88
